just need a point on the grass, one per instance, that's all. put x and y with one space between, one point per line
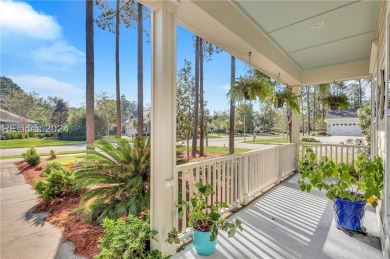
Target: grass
217 150
35 142
47 154
278 140
69 159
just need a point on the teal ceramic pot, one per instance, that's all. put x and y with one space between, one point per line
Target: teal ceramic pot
202 243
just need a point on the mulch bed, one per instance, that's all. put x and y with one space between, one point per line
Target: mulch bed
83 235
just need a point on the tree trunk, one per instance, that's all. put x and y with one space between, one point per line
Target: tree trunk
308 108
90 74
232 106
201 99
196 102
140 76
117 74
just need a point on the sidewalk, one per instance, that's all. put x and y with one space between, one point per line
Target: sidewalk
24 234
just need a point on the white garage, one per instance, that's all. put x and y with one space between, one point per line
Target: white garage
343 123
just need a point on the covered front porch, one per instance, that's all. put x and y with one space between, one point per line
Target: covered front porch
283 223
288 223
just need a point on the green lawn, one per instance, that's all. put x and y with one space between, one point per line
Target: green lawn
217 150
278 140
35 142
64 160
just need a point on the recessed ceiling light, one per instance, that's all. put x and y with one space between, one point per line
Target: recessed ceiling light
317 25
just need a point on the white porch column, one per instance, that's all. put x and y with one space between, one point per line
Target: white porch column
295 136
163 134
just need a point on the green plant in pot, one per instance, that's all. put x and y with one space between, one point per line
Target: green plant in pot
350 191
253 87
336 102
205 221
287 97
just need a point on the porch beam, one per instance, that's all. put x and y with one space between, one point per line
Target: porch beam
163 126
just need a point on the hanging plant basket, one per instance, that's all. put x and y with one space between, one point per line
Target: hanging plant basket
336 102
279 102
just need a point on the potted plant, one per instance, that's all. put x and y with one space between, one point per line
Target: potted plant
205 221
336 102
256 86
287 97
350 188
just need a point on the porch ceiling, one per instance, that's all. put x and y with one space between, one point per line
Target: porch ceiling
349 27
280 37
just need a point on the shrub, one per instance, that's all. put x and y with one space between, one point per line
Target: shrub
32 134
309 140
58 182
127 237
52 166
53 154
32 157
14 135
72 133
121 171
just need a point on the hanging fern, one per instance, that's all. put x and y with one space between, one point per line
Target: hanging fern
289 98
256 87
337 102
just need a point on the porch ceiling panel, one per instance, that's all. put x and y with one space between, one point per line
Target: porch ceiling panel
349 25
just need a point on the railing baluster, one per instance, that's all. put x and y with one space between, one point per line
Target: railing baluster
184 198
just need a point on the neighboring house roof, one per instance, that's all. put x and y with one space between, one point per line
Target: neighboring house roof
6 116
340 114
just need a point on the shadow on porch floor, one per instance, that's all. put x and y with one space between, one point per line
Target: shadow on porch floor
287 223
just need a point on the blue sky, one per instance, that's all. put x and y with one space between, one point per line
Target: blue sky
43 50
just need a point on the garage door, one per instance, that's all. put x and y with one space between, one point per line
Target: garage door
345 129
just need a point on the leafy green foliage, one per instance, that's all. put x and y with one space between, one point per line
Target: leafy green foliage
58 182
32 157
53 154
72 132
14 135
126 238
337 101
255 87
364 115
309 140
365 182
205 218
116 178
289 98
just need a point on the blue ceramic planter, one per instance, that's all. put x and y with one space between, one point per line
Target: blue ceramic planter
349 214
202 243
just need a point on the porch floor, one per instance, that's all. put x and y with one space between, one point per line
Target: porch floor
287 223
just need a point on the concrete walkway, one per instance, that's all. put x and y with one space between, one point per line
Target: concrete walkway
287 223
24 234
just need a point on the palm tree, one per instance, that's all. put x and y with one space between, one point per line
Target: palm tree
140 76
90 74
232 106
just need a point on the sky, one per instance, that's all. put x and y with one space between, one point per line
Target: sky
43 50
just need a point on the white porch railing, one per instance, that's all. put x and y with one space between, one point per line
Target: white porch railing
338 153
235 178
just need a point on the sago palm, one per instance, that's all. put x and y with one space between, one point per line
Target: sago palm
116 178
